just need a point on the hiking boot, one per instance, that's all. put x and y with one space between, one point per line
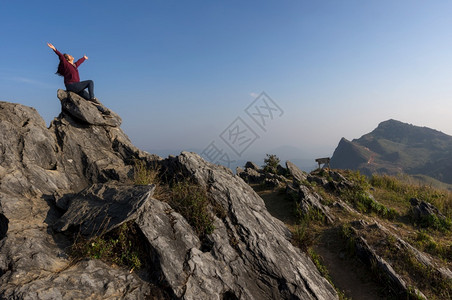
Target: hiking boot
94 100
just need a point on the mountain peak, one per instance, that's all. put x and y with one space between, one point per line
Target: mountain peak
395 147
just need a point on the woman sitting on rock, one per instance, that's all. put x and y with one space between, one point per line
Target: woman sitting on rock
69 70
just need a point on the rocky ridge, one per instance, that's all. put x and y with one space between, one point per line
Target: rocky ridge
395 147
75 177
348 225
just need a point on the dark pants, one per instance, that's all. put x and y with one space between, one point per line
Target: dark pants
79 88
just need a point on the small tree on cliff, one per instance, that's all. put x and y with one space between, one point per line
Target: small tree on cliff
271 164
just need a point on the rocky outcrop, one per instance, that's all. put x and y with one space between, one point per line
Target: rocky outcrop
374 243
255 175
38 166
75 177
310 200
422 211
249 263
297 174
86 111
102 207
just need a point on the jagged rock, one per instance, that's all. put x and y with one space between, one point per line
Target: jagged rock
83 165
87 111
256 261
297 174
370 257
251 165
310 200
280 170
318 180
103 207
421 210
37 165
91 279
272 182
252 176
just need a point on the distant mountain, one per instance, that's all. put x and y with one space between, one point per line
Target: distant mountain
396 147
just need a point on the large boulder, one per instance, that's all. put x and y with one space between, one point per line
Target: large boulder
102 207
86 111
251 255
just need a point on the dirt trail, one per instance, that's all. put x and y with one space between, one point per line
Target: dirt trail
346 273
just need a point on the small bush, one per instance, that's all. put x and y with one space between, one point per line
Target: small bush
303 236
120 246
142 175
432 221
191 202
271 164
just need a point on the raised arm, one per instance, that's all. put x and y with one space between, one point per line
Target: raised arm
51 46
56 51
78 62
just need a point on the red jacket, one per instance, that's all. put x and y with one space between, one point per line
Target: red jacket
69 71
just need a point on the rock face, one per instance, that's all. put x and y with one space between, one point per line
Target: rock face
297 174
76 176
245 260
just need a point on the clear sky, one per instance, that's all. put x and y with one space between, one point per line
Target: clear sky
179 73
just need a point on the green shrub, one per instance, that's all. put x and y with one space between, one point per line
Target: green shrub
432 221
363 202
442 199
121 246
191 202
271 164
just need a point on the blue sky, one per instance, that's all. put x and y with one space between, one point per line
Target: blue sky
180 72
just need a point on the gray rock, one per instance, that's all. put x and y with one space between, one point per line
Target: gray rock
103 207
77 173
239 171
256 257
370 257
272 182
87 111
297 174
310 200
91 279
318 180
251 165
252 176
37 165
421 210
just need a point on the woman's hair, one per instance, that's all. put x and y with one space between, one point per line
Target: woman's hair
59 71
